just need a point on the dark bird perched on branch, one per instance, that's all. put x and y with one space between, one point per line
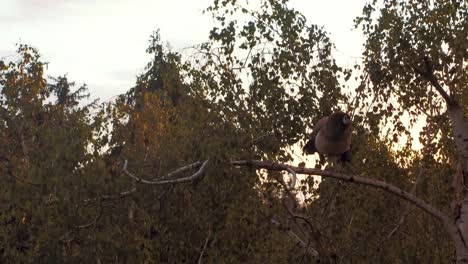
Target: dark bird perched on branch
331 136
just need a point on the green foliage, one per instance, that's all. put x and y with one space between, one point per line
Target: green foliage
43 154
268 72
402 36
252 91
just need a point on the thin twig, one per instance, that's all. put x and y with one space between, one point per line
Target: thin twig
10 172
295 237
205 246
292 215
95 221
407 210
26 181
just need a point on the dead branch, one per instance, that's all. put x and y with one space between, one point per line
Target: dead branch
119 195
179 170
126 193
198 174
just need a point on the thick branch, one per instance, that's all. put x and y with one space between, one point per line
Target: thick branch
428 74
433 80
198 174
460 131
460 126
352 179
179 170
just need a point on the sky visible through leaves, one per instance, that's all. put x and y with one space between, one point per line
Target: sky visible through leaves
108 38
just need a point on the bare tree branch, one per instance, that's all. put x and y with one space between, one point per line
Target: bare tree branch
428 74
119 195
296 238
179 170
26 181
95 220
397 226
433 80
292 183
451 228
413 191
9 168
198 174
204 246
126 193
460 132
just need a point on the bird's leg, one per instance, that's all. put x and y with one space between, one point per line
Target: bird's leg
346 157
340 163
333 163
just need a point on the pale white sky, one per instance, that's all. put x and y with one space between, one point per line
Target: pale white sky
102 43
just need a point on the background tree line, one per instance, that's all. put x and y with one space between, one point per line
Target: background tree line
152 175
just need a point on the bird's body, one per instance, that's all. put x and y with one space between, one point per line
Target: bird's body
331 136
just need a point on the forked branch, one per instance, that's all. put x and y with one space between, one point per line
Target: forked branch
193 177
170 175
427 72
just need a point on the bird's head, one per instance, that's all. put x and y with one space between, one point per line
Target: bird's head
346 120
340 119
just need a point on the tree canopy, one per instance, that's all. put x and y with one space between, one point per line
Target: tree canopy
198 161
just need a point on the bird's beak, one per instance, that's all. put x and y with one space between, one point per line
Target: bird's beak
346 121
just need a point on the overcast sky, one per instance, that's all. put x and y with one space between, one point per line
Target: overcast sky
102 43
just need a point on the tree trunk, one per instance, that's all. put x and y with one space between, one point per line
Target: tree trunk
460 181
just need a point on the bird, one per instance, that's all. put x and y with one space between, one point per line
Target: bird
331 137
